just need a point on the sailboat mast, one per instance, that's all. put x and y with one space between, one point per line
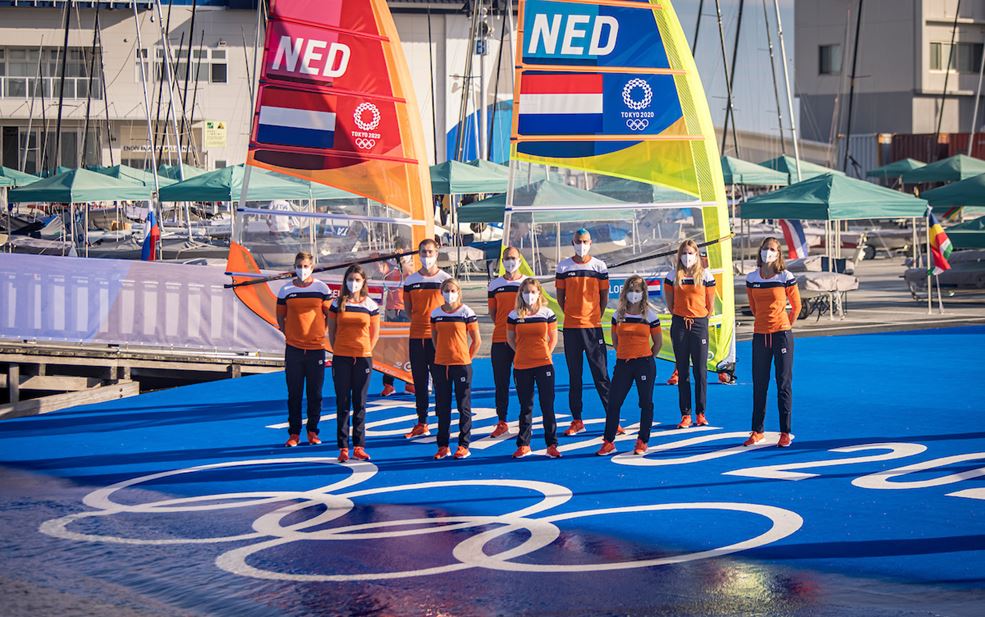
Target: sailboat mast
188 69
728 73
143 83
947 74
171 107
786 83
978 98
434 103
61 89
170 79
30 113
92 67
731 82
851 88
102 84
495 103
776 87
191 118
697 27
833 134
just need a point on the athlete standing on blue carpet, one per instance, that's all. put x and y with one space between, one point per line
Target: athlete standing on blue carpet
532 333
690 293
637 338
422 294
502 300
582 284
353 330
455 333
770 287
302 306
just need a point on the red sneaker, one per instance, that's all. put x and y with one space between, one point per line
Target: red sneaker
673 379
607 448
360 453
685 421
640 447
552 452
577 426
292 441
754 438
313 439
785 439
501 429
418 430
388 390
409 389
701 420
462 452
521 452
442 452
620 430
343 455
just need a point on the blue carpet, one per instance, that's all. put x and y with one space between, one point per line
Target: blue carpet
885 482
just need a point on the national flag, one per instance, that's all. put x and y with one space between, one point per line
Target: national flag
560 104
795 238
294 118
940 245
654 288
152 237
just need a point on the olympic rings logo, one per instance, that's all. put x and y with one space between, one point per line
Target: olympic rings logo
357 115
637 124
627 94
364 143
339 498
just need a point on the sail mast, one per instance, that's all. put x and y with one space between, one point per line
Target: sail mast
730 114
61 89
776 87
92 68
188 69
786 82
851 88
947 74
30 116
728 73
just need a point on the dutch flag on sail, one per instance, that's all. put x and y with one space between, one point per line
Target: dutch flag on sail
552 104
298 119
795 238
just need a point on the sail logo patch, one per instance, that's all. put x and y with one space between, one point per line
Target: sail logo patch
367 118
637 95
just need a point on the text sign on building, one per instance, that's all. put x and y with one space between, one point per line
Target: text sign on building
215 134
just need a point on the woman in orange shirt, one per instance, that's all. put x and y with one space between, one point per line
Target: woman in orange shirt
770 287
455 334
501 299
353 329
637 338
690 294
301 308
532 333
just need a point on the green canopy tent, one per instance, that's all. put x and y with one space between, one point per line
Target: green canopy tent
895 169
788 165
952 169
132 174
79 186
969 235
226 183
743 173
537 172
5 182
171 171
457 178
967 192
495 168
18 178
48 173
631 191
546 194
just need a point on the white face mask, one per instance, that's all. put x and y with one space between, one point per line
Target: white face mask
530 297
451 297
428 262
511 265
689 259
634 296
354 285
303 272
768 255
581 248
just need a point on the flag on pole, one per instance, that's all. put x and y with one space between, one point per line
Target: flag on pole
152 236
940 245
795 238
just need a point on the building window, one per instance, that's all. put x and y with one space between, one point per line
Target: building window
829 59
28 72
210 65
220 164
967 57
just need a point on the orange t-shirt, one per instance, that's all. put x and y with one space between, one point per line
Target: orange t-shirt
532 337
690 297
634 335
768 299
303 308
582 284
425 296
352 327
502 300
452 331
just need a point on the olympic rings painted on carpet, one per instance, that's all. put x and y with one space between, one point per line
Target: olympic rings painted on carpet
469 553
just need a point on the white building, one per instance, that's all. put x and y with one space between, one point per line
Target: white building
222 55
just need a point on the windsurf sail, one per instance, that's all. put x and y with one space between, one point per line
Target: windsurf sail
335 107
608 95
